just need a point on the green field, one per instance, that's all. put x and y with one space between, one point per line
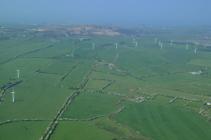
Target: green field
165 121
89 105
130 93
22 130
71 130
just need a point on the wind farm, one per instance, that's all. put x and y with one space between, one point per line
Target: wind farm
105 70
107 87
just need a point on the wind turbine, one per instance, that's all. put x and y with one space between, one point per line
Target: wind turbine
116 45
160 44
18 73
13 95
136 44
195 50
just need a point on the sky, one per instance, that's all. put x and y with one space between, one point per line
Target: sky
107 12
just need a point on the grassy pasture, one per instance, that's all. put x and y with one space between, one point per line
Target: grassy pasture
74 79
160 121
89 105
51 74
35 98
22 130
88 131
14 48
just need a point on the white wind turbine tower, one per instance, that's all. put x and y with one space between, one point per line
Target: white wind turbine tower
136 44
13 95
160 44
195 50
18 73
116 45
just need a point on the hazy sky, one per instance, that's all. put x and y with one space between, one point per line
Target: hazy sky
111 12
